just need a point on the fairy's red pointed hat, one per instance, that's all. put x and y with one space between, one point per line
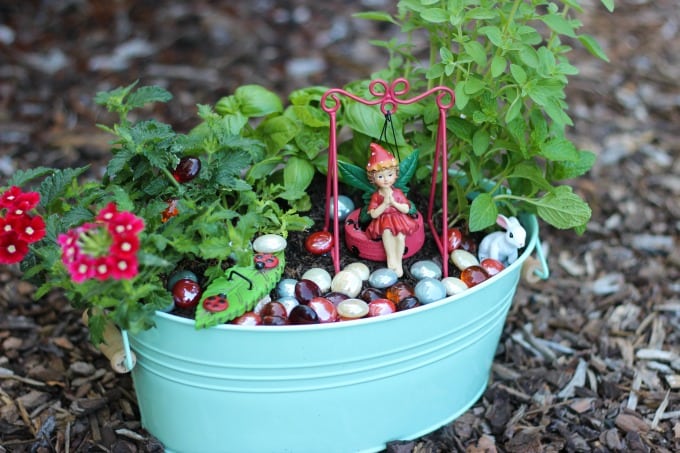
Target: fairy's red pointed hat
380 158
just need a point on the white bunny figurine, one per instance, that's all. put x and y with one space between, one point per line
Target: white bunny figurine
503 245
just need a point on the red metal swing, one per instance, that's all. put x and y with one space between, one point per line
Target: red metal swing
387 96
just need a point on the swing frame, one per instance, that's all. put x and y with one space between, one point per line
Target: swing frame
389 96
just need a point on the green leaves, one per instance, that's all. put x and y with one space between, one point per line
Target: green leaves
563 209
256 101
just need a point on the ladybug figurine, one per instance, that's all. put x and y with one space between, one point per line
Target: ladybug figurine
216 303
265 261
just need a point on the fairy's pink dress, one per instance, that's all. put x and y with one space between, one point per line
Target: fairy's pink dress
392 219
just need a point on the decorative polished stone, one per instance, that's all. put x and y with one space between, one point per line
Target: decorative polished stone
462 259
455 239
248 318
492 266
286 287
454 285
306 290
180 275
319 242
303 314
345 206
274 314
288 302
319 276
382 278
261 303
381 307
360 269
325 309
269 243
352 309
346 282
474 275
469 244
369 294
399 291
429 290
336 297
426 268
408 303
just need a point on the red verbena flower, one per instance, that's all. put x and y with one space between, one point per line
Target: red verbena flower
29 228
12 248
9 197
106 248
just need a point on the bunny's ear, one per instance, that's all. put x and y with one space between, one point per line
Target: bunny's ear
502 221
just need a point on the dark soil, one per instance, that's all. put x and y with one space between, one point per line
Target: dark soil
589 359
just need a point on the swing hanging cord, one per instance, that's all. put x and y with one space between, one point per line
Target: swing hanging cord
383 135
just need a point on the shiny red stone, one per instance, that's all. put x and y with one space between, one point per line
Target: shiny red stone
325 309
469 244
248 319
319 242
274 314
171 211
380 307
306 290
407 303
473 275
186 293
455 239
303 314
336 297
187 169
369 294
492 266
399 291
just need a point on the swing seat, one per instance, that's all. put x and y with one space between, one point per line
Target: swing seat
372 249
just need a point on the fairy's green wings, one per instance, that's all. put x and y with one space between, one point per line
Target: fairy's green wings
355 176
243 286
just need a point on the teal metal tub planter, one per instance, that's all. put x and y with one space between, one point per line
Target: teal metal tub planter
341 387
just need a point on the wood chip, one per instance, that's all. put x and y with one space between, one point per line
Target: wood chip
577 380
631 423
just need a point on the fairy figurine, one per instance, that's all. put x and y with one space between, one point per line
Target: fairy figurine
389 208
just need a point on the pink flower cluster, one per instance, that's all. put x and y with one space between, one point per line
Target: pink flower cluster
18 228
105 248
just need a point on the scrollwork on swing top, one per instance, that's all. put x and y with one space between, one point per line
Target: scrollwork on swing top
388 96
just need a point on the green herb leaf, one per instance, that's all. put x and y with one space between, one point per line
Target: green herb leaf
593 47
256 101
277 131
573 169
146 95
297 174
483 212
435 15
559 24
379 16
480 142
563 209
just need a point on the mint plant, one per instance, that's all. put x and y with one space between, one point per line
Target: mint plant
508 62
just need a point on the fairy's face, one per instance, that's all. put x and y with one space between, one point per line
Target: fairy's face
385 178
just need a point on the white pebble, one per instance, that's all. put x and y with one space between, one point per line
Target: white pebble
360 269
463 259
346 282
269 243
454 285
319 276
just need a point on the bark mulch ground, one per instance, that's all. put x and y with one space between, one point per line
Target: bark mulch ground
589 360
